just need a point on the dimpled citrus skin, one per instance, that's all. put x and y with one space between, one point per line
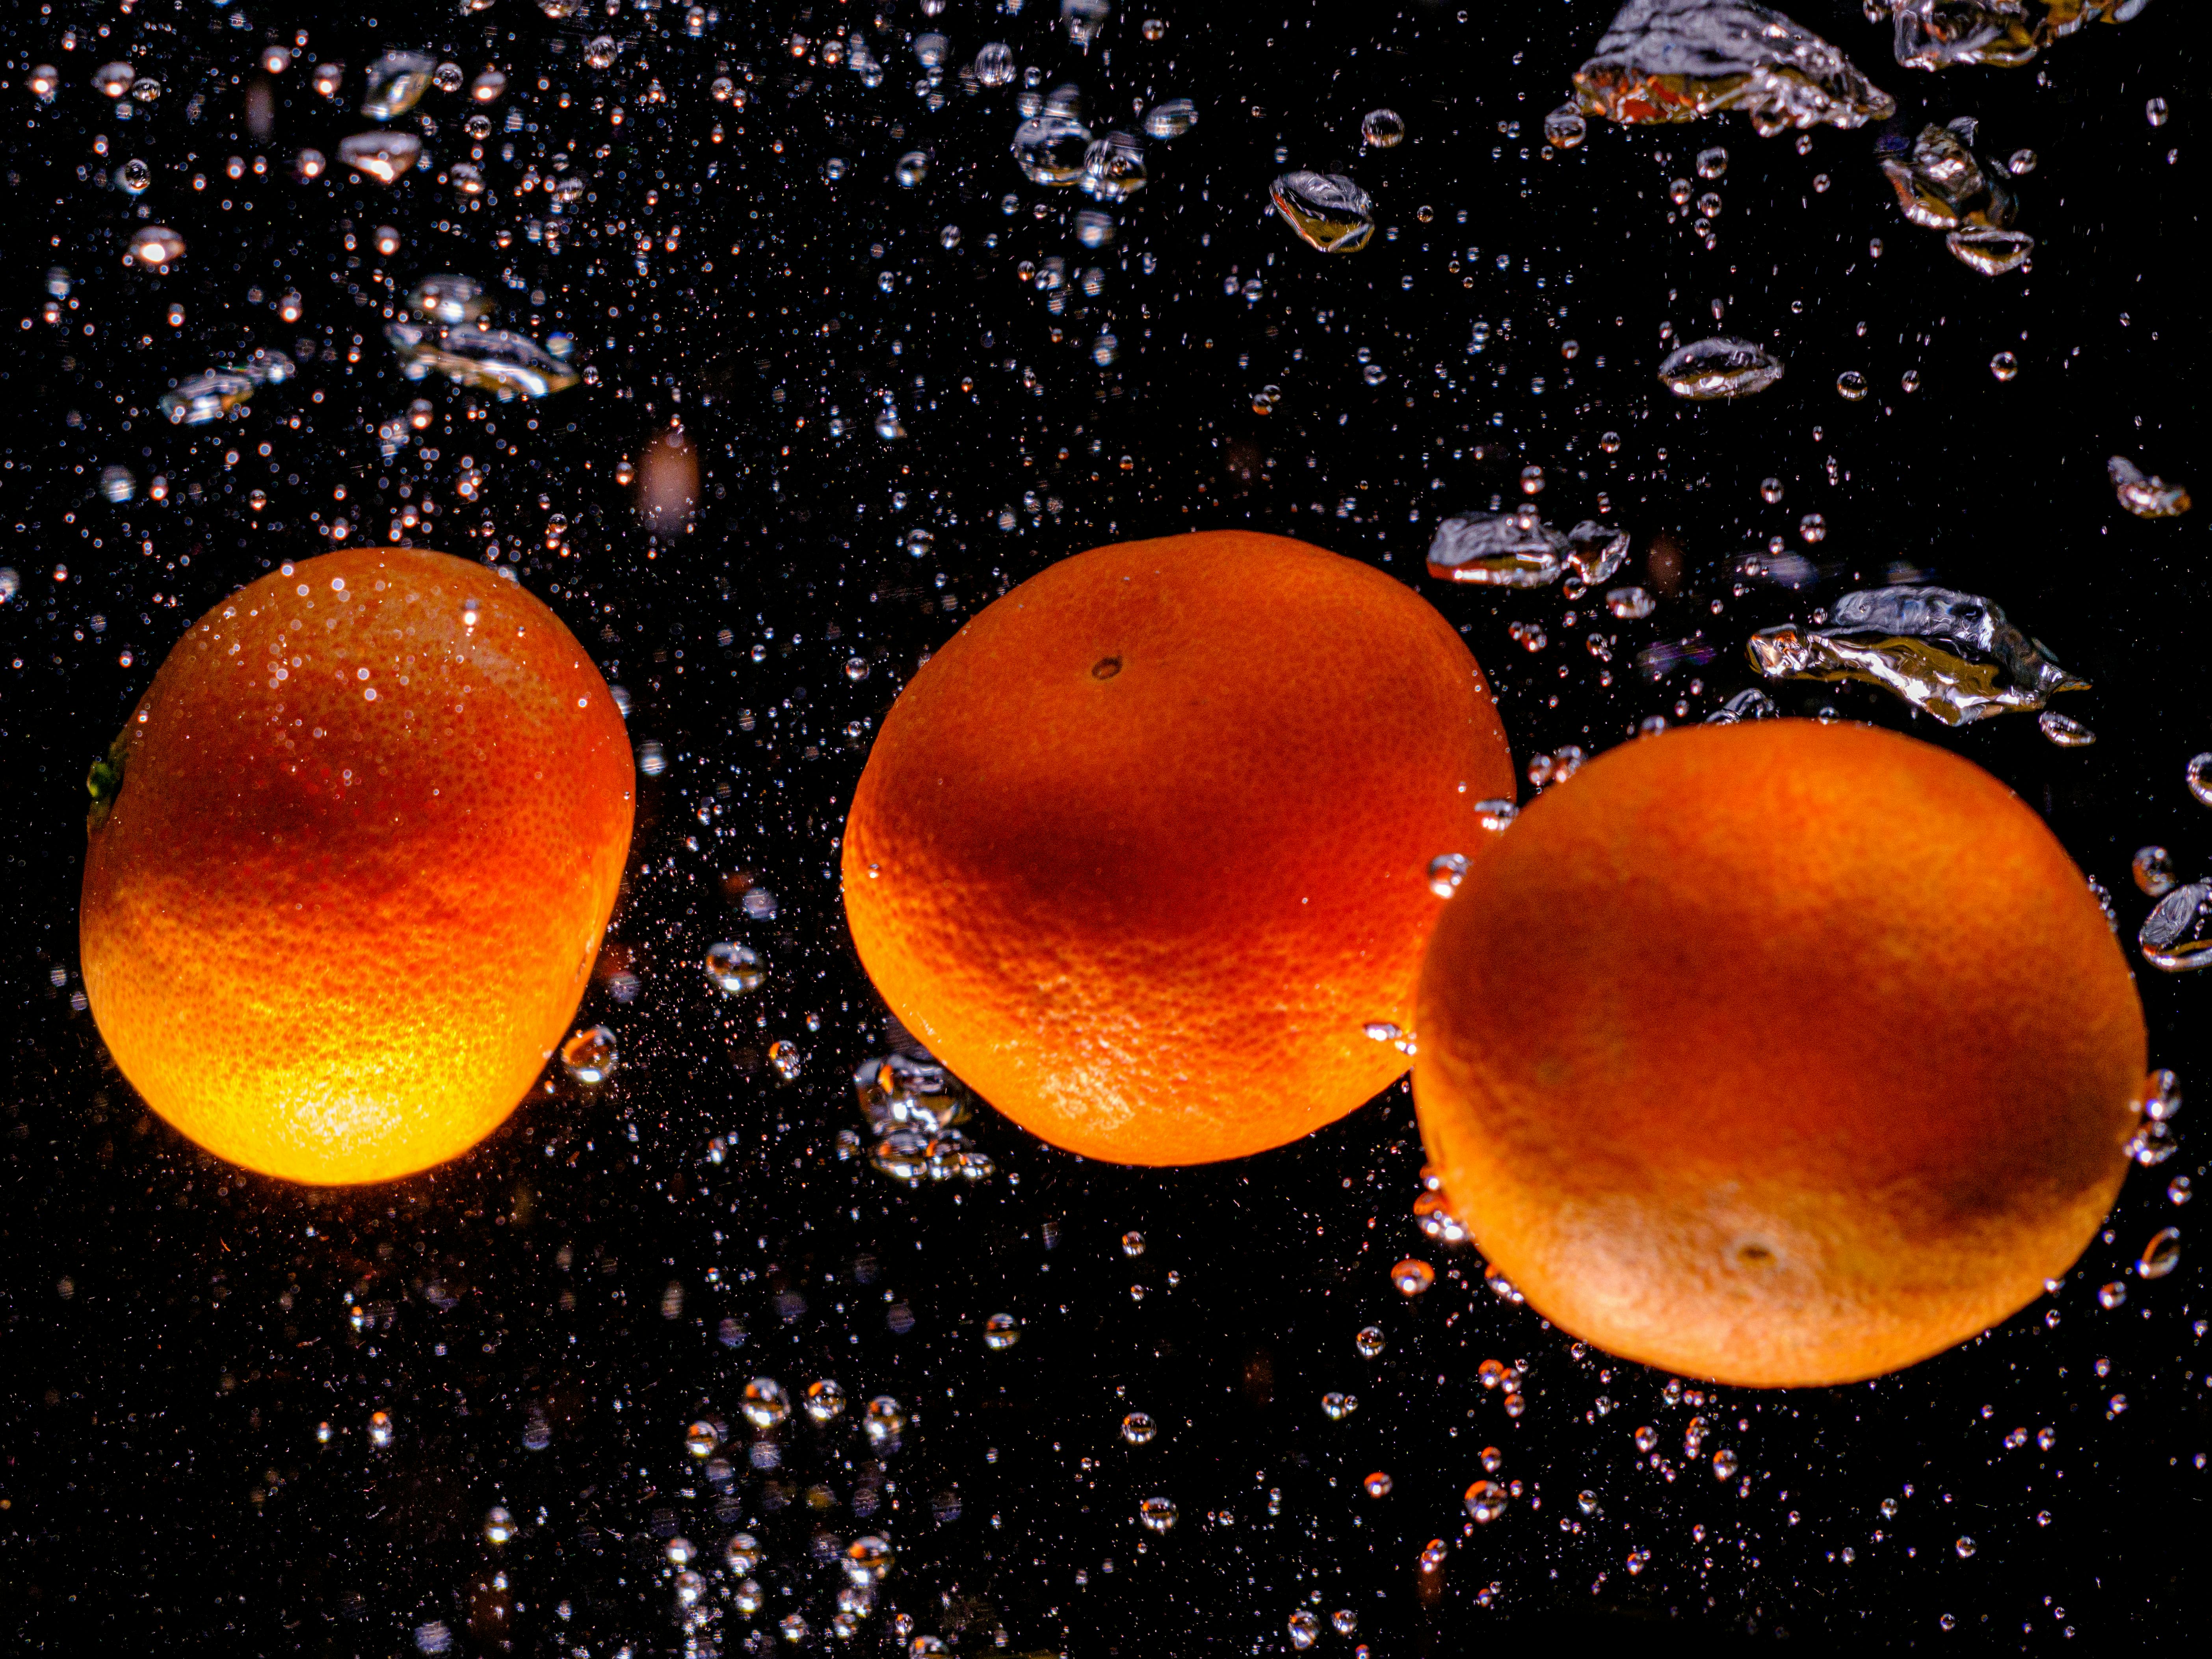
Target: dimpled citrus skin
1140 851
333 937
1778 1054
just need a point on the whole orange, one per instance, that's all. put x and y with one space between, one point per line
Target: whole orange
1778 1054
1143 852
349 862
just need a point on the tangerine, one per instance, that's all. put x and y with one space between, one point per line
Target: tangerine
349 862
1143 852
1780 1054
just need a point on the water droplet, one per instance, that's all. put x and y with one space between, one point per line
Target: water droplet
1383 129
1138 1429
734 968
589 1055
1412 1276
1485 1501
1158 1514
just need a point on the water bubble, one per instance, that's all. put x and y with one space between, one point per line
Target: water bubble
785 1058
868 1558
380 1430
2145 495
310 164
2154 112
383 157
155 246
765 1404
117 483
1049 149
488 86
1705 370
1436 1220
1564 128
43 81
1770 490
1485 1501
1138 1428
133 176
1158 1514
114 79
1082 19
748 1597
742 1553
994 65
1712 163
499 1525
734 968
1966 1548
1812 527
1170 120
2198 776
1337 1406
2004 365
913 168
1328 210
2112 1296
1851 385
2153 870
449 299
590 1055
1383 129
1377 1485
2177 936
1412 1276
1002 1330
1498 549
1370 1341
2064 731
1672 62
884 1420
396 83
1446 871
2161 1256
1724 1465
1630 604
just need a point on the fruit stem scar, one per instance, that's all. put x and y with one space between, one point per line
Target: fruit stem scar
1105 668
104 782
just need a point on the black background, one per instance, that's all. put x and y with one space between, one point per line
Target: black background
174 1331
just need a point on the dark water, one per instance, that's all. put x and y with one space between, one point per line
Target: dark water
619 1263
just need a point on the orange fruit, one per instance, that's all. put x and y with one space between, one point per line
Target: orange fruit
1779 1053
350 861
1141 852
